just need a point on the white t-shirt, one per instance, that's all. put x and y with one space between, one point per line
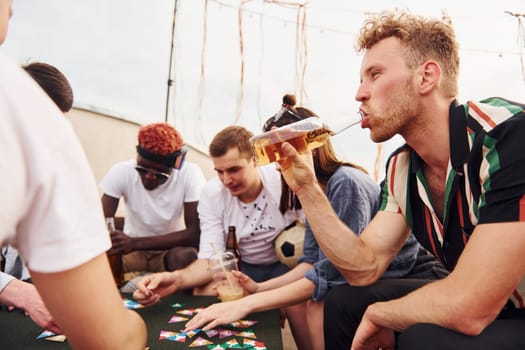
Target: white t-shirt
49 206
156 212
257 223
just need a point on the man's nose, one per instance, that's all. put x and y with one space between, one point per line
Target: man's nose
362 93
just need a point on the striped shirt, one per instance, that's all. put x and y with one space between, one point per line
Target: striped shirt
485 180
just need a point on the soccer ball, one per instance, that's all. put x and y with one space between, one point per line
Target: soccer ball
289 244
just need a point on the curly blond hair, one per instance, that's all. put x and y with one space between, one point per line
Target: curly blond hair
423 39
160 138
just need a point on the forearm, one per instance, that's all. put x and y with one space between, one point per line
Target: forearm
338 242
293 275
290 294
195 275
446 309
186 237
10 294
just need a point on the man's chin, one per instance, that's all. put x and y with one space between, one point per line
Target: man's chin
234 191
149 187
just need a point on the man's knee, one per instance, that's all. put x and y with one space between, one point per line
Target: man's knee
349 300
180 257
420 336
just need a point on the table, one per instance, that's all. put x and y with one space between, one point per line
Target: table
17 331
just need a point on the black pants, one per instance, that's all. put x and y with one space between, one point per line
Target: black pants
345 305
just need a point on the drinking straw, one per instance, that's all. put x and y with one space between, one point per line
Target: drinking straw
222 265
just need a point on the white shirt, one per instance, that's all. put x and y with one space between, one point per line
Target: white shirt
156 212
257 223
49 208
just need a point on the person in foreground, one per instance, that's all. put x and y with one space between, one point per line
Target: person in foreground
16 291
355 198
51 213
161 191
458 183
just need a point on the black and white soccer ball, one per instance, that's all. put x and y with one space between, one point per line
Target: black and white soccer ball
289 244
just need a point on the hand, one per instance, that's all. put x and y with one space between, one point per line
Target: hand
217 314
296 169
121 243
152 288
370 336
25 296
249 285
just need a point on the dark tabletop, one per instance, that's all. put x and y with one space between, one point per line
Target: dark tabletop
17 331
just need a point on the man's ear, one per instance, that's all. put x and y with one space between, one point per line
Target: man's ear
431 74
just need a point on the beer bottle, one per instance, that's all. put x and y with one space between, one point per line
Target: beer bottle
115 261
231 244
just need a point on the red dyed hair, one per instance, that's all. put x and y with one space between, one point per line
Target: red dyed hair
160 138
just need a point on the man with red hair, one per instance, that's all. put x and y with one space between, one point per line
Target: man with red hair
161 192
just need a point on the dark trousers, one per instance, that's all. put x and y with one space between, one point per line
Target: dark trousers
345 306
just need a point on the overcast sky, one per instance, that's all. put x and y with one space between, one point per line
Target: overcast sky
116 55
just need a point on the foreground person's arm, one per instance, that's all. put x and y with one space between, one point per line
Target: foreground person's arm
98 319
23 295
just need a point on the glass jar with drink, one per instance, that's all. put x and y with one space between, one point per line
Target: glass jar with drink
303 135
115 260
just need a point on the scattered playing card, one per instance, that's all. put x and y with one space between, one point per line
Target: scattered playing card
217 347
45 334
48 335
247 334
211 333
257 345
179 337
242 323
176 319
190 334
223 333
233 344
58 338
190 312
166 334
200 342
132 304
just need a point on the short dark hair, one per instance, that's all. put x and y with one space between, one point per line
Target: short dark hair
53 82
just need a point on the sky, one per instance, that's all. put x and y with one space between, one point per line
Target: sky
116 55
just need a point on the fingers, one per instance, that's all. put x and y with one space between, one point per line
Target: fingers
53 327
198 321
146 300
144 287
288 150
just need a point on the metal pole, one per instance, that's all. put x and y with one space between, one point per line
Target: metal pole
170 81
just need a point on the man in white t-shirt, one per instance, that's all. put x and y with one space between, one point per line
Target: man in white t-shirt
50 212
161 192
243 195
